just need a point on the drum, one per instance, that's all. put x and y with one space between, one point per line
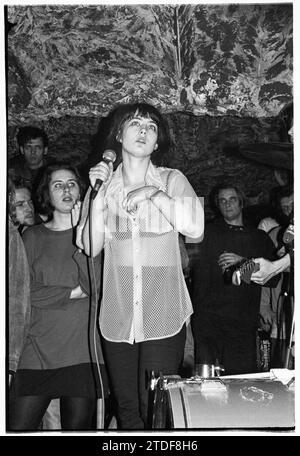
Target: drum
222 403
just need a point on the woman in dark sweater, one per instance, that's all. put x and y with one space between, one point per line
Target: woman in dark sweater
58 359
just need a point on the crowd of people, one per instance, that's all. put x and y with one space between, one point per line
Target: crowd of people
101 292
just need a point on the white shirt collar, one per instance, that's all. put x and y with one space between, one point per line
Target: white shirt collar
153 177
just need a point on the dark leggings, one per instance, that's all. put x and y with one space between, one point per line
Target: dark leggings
129 367
26 412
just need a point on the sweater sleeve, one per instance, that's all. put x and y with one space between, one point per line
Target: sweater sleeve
49 296
42 295
86 267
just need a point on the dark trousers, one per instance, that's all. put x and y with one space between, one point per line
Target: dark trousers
227 341
129 368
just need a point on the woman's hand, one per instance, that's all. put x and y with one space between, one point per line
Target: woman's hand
227 259
75 213
102 171
77 293
134 198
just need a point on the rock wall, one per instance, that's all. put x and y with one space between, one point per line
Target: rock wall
203 148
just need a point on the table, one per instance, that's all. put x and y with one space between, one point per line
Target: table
240 403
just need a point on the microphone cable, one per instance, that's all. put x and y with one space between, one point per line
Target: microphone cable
102 417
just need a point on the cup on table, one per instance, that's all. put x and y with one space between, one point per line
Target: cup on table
205 370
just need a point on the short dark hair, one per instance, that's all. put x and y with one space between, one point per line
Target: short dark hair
19 182
285 191
29 132
125 112
225 186
43 201
275 198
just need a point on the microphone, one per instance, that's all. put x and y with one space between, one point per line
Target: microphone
109 156
288 235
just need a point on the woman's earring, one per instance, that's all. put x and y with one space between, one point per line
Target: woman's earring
156 147
118 137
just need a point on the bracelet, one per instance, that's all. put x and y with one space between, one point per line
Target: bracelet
154 194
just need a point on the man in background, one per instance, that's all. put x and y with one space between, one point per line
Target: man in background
226 316
33 149
24 214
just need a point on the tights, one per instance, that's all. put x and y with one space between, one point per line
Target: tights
26 412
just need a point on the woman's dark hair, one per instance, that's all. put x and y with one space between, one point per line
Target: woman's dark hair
42 197
123 113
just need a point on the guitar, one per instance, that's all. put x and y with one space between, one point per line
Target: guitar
244 271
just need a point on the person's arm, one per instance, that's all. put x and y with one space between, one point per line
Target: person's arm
268 252
265 310
268 269
96 212
227 259
85 275
54 297
97 218
181 206
18 297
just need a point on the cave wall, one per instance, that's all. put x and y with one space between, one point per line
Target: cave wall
201 148
206 59
220 74
237 58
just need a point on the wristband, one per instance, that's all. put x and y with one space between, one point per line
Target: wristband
154 194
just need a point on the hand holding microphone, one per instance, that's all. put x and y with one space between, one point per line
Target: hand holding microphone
102 172
288 235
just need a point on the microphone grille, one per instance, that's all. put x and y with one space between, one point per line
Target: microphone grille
110 155
288 235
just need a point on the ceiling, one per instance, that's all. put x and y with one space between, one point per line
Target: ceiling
76 60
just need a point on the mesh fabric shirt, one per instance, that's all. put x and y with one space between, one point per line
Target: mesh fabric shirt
144 292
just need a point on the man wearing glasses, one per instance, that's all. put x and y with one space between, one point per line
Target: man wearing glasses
226 316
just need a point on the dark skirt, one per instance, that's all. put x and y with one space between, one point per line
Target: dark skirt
81 380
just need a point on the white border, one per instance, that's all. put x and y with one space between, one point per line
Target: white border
111 435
